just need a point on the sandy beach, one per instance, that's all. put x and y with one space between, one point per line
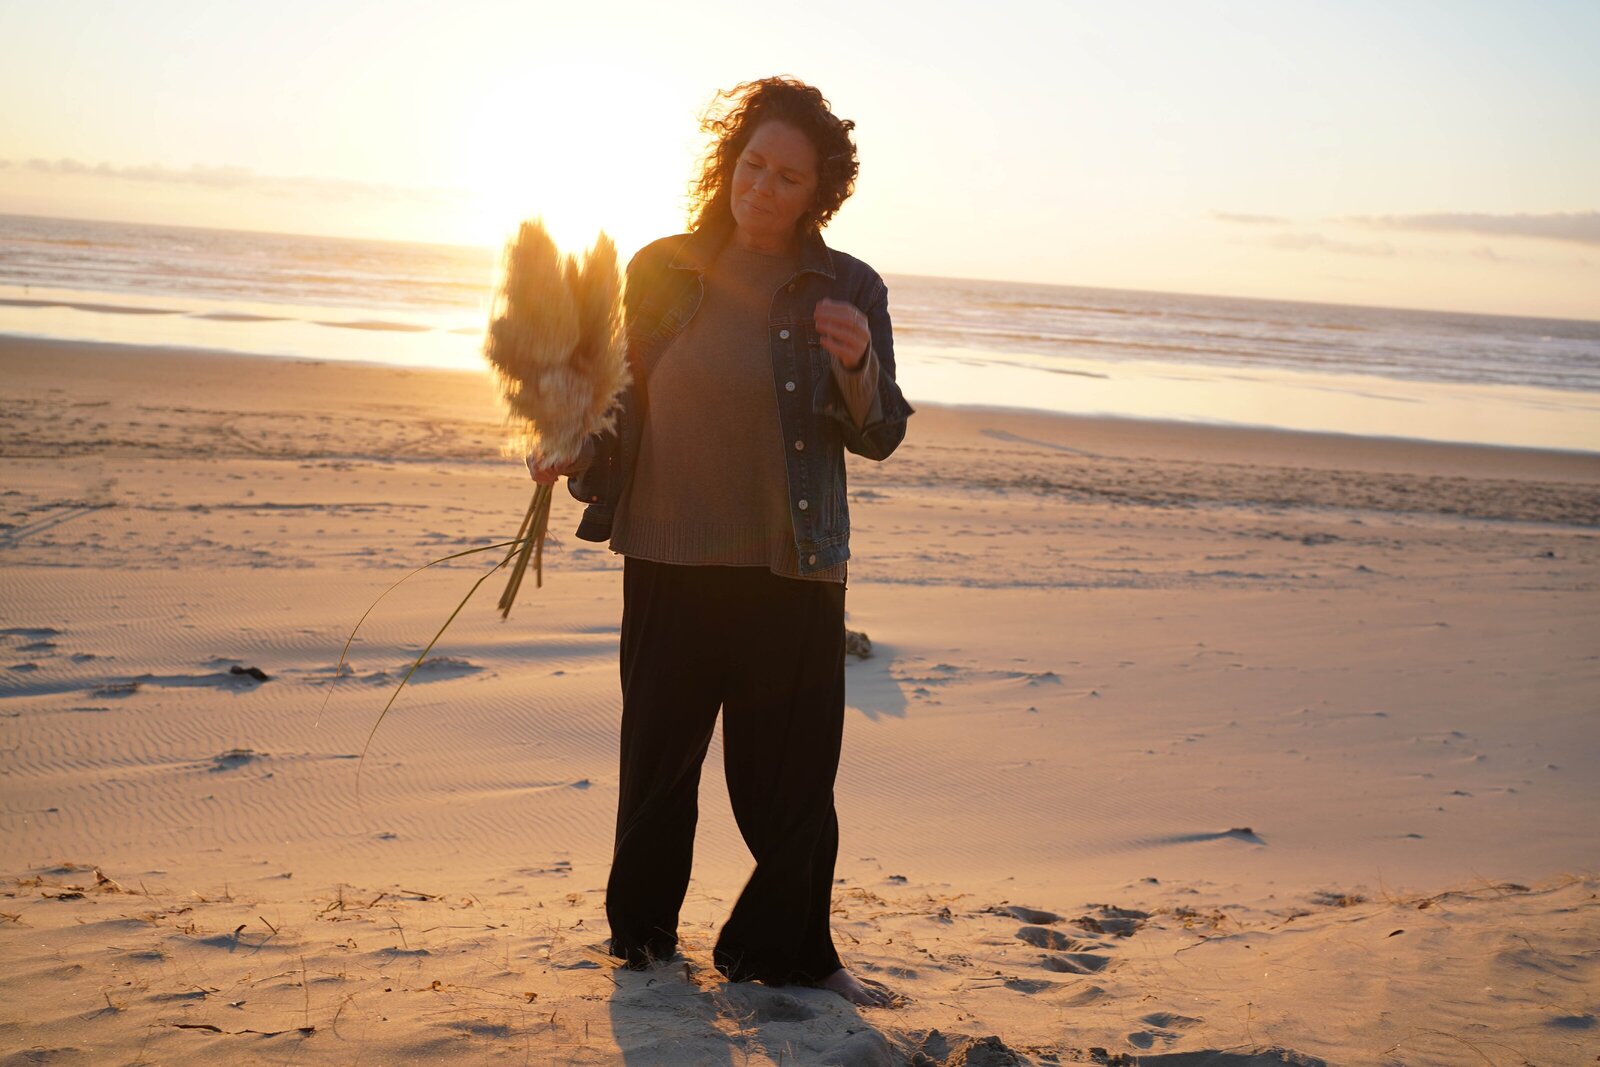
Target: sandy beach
1178 745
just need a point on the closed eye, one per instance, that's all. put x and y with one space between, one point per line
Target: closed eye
745 161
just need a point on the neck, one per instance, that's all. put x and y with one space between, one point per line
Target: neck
764 243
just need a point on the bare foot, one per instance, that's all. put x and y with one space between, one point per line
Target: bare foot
863 993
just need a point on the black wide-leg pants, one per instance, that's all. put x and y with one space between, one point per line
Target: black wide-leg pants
769 652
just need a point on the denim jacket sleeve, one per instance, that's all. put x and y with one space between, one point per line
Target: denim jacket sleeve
593 483
885 425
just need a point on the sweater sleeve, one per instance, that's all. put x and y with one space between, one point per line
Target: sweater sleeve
859 387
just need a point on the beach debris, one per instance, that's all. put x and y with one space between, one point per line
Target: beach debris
857 644
436 668
254 672
305 1031
235 757
1194 917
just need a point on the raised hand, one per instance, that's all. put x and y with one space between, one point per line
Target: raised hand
843 330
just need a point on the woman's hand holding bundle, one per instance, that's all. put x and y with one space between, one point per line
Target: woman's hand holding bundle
548 474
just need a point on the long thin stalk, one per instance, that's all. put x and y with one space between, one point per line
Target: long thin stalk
413 669
534 525
541 526
345 652
522 556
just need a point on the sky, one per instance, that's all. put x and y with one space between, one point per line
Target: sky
1417 154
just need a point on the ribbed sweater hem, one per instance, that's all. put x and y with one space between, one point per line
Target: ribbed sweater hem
707 544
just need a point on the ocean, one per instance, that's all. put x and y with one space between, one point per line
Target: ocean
1487 379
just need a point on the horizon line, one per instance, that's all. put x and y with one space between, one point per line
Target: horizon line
904 274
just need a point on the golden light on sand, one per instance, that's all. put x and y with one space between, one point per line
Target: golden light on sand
1291 709
567 144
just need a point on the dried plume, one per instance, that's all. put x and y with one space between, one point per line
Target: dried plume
557 374
601 354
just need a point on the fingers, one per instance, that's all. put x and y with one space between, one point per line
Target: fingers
540 473
837 315
843 330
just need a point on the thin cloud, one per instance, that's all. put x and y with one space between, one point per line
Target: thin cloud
1249 220
1302 242
1582 227
238 179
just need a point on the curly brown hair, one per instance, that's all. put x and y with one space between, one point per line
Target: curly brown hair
732 119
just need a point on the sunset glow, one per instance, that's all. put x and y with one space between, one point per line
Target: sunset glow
1426 155
582 169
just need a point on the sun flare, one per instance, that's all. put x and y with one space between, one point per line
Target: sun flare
582 161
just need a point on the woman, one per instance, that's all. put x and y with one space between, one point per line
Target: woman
759 356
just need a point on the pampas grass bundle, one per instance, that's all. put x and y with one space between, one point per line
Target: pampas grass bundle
556 344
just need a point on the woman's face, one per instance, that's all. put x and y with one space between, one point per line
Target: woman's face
774 180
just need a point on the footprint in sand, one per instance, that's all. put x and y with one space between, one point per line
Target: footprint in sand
1163 1026
1107 919
1029 985
1051 940
1085 996
1077 963
766 1006
1032 916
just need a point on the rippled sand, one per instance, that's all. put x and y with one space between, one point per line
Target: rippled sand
1193 745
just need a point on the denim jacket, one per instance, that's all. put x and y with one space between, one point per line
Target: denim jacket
664 289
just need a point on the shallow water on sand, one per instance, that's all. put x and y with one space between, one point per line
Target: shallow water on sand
1384 372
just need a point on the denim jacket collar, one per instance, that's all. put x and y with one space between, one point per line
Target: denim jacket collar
702 246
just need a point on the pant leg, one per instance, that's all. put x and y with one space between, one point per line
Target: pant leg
783 721
671 690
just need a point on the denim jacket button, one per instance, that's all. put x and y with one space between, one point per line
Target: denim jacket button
803 505
799 446
789 386
783 334
811 559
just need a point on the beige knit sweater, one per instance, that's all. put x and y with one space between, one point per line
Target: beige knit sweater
710 485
